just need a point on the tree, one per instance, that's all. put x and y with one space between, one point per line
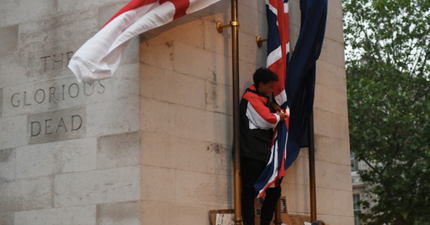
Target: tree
387 46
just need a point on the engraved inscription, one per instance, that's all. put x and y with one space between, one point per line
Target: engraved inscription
55 61
55 93
57 125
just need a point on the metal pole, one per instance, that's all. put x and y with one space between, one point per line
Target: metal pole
236 122
312 168
278 219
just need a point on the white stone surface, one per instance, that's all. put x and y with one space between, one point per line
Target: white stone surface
13 131
118 150
7 164
8 40
56 158
26 194
13 69
113 117
83 215
98 186
122 213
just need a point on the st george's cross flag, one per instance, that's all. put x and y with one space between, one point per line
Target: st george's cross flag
278 42
101 55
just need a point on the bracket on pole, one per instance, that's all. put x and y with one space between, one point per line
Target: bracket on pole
220 27
260 41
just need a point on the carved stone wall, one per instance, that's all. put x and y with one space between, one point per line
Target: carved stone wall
69 151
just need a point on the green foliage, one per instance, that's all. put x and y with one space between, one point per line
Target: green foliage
387 46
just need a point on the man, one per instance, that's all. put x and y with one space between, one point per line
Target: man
257 120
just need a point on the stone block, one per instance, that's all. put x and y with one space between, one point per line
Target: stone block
249 50
158 184
156 116
55 94
298 200
157 52
335 9
172 87
331 124
331 100
9 13
334 29
323 148
118 150
26 194
294 13
30 10
325 201
7 164
332 150
58 30
219 98
95 187
202 188
219 11
122 213
343 204
13 69
335 52
7 218
57 125
51 62
249 18
54 158
156 149
188 30
217 42
83 215
154 212
345 219
202 125
162 150
8 40
13 132
331 75
1 102
77 5
126 81
206 64
219 158
333 176
298 172
105 11
113 117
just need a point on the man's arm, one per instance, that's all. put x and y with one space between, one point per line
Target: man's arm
260 116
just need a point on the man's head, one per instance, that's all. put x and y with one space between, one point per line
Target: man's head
264 80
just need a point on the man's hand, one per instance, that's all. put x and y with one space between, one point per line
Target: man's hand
276 106
281 116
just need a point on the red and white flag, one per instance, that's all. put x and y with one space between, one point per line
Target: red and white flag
101 55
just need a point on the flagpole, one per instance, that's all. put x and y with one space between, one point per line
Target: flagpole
312 168
236 120
234 24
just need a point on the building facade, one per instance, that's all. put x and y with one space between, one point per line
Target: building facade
151 145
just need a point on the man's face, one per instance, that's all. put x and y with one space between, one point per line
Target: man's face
266 89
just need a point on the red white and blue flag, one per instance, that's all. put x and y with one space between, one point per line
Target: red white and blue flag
278 46
101 55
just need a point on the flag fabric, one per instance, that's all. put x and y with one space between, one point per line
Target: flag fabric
300 85
299 82
278 43
101 55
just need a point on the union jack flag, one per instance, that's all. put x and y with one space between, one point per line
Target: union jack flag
278 46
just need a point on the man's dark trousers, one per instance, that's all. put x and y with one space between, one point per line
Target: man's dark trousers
250 171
